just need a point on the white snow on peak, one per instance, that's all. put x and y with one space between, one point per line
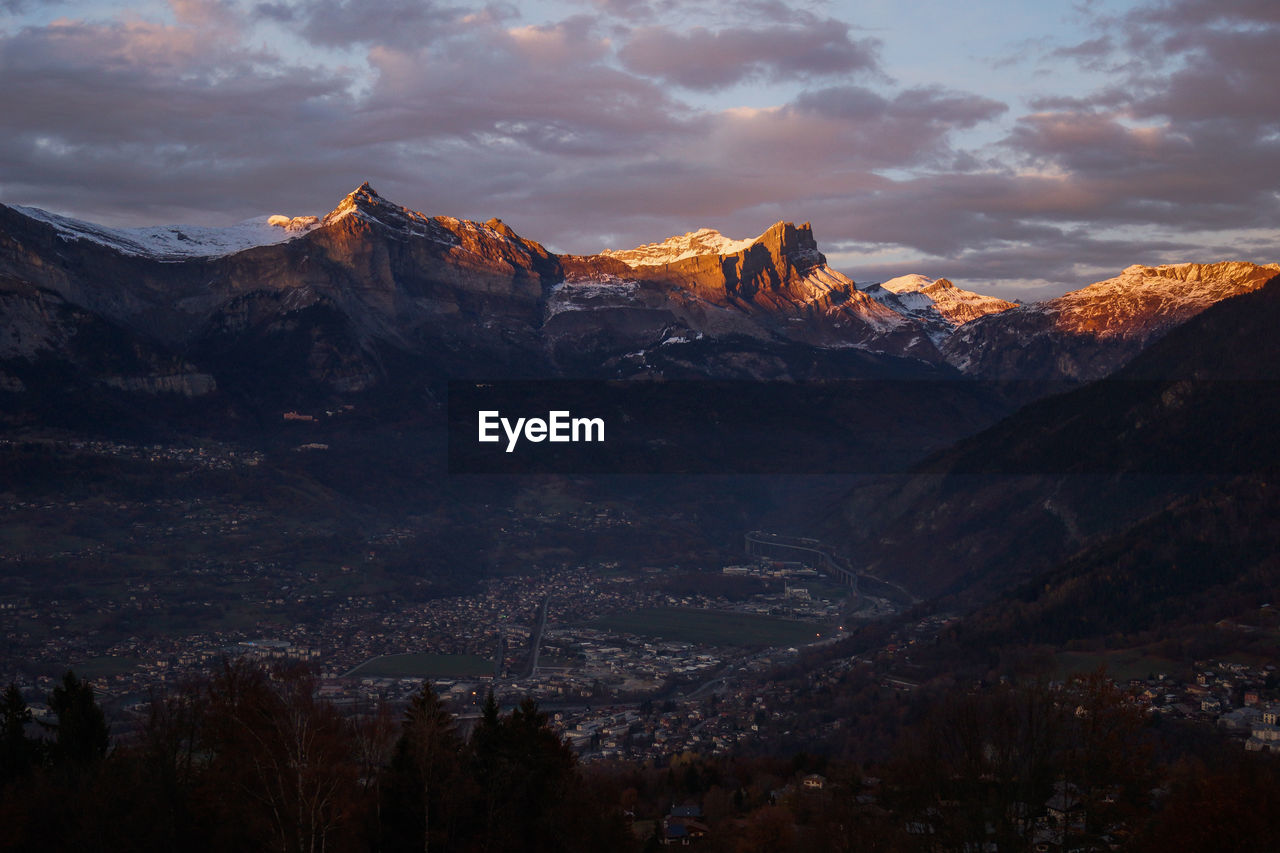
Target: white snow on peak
939 303
180 242
1142 297
913 283
1202 284
705 241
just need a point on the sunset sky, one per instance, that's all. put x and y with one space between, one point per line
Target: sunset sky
1018 148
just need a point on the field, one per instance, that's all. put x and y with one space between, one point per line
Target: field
1122 664
712 627
103 667
423 666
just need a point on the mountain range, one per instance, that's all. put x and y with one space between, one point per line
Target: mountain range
373 295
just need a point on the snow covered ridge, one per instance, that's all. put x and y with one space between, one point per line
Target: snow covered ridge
180 242
705 241
1163 288
938 303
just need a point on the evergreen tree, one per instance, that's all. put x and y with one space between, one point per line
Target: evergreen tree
426 775
82 733
17 751
532 795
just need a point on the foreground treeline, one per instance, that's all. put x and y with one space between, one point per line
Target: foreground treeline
254 760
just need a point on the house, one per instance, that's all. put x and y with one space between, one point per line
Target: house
1065 808
815 782
683 826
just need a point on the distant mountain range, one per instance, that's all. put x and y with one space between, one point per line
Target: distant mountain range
374 295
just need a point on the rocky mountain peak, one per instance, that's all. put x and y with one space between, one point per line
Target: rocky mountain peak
779 240
796 243
365 203
499 227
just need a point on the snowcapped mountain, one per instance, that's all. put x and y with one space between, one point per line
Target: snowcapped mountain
1088 333
337 303
937 303
1143 300
373 287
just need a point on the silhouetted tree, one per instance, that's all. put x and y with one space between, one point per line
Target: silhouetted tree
18 753
425 776
283 760
82 733
532 795
375 736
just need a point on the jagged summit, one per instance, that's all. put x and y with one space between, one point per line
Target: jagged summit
1151 298
365 203
914 283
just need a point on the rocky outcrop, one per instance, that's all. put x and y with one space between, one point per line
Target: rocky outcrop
777 286
767 273
184 384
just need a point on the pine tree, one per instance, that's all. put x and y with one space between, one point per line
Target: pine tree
17 751
427 757
82 733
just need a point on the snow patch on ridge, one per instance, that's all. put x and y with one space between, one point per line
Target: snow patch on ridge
586 294
705 241
179 242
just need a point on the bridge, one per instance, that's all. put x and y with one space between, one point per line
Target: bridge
774 546
535 642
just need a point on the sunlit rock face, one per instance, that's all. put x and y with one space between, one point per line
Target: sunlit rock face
777 285
1089 333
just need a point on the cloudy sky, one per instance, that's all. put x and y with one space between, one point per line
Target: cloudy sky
1018 148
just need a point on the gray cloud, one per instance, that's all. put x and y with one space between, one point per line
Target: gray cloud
933 105
17 7
1193 13
705 59
404 24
